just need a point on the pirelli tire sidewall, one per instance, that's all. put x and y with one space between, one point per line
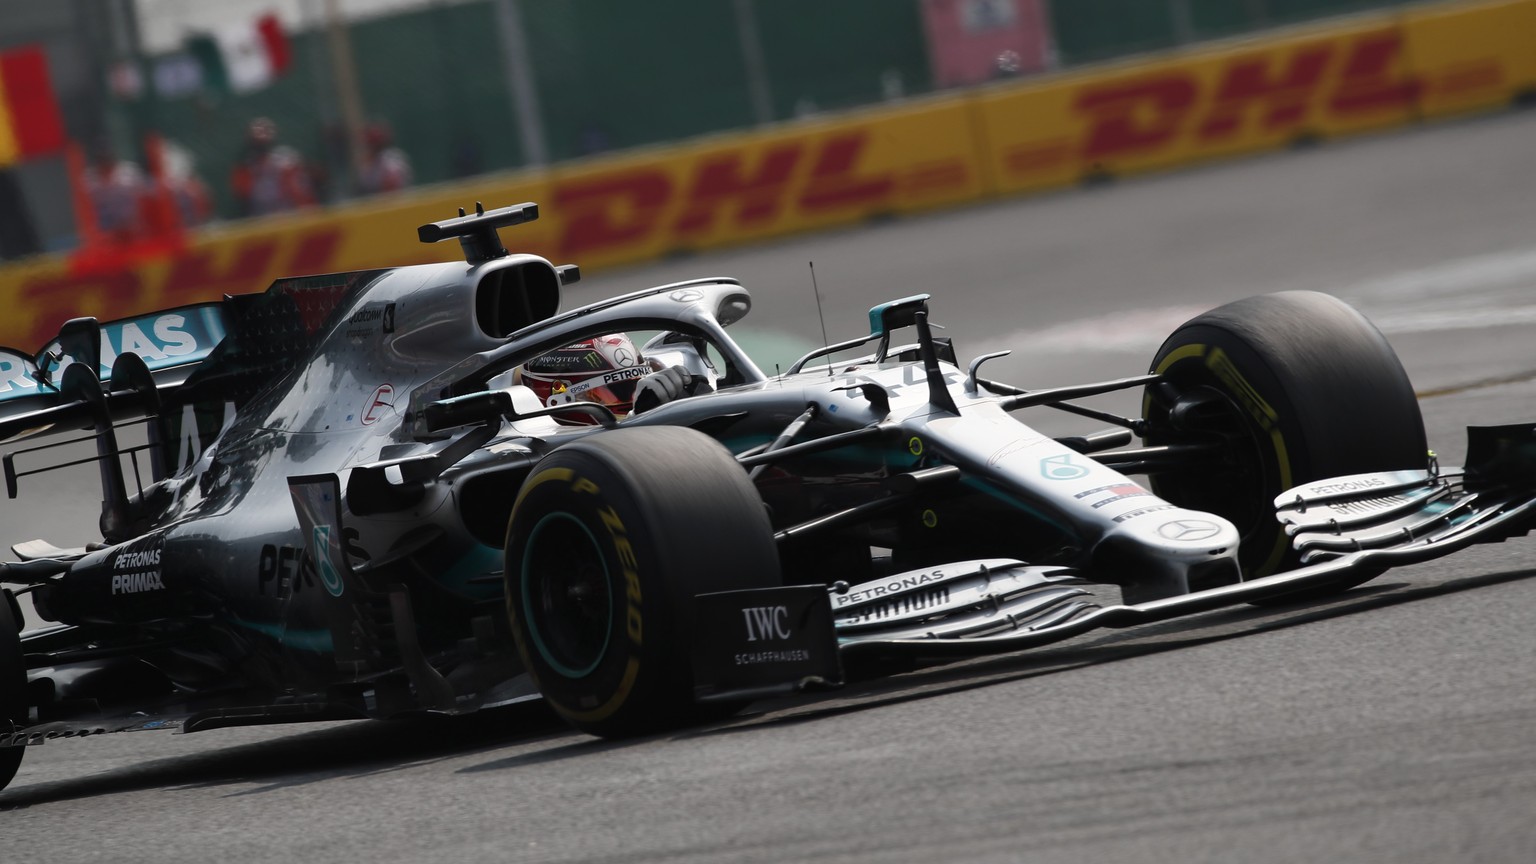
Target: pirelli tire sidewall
13 684
672 515
1320 392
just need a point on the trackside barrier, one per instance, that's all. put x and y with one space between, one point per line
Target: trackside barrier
1472 57
1352 75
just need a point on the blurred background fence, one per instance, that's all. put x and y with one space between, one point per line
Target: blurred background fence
469 86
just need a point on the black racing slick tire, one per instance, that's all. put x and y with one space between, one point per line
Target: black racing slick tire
1298 386
609 541
13 686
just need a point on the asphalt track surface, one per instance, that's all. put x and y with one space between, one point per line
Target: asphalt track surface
1395 724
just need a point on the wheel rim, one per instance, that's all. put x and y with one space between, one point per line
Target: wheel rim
567 595
1236 486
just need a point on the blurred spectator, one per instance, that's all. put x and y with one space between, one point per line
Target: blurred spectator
385 167
269 178
178 175
118 190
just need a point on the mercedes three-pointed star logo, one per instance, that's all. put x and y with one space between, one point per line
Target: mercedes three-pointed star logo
1188 530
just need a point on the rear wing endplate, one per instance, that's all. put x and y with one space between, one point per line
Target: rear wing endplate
170 343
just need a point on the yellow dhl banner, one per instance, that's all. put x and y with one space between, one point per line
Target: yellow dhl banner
1357 74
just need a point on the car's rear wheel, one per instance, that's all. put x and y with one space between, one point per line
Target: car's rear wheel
1297 386
13 686
609 541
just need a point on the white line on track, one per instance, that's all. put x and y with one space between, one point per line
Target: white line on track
1497 290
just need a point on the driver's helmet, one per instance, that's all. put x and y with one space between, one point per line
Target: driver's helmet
604 370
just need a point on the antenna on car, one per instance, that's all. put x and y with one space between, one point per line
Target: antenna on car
815 289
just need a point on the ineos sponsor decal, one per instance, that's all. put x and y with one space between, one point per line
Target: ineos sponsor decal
1116 489
1126 517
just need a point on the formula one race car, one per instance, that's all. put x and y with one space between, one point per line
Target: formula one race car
348 499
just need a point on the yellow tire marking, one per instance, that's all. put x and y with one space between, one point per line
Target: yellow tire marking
614 703
632 668
539 479
1182 353
1221 366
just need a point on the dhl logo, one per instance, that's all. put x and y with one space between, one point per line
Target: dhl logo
739 189
1038 135
1290 89
200 274
798 177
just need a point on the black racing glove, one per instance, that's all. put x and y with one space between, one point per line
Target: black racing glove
662 387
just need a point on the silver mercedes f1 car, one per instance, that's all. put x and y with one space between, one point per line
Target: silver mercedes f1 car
339 499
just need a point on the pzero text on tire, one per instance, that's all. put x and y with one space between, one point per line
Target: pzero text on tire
610 539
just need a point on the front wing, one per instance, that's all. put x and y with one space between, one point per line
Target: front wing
1347 530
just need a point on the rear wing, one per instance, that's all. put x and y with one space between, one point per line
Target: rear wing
250 339
183 373
130 359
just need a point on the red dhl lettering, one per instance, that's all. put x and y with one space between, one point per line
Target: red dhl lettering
200 270
719 182
1366 84
1283 88
1254 80
43 305
629 207
744 187
195 276
1136 116
610 209
834 182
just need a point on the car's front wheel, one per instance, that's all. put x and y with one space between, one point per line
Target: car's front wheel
1296 386
610 539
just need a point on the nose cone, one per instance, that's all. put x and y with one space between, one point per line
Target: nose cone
1169 552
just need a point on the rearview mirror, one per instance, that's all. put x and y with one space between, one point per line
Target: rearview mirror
896 314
